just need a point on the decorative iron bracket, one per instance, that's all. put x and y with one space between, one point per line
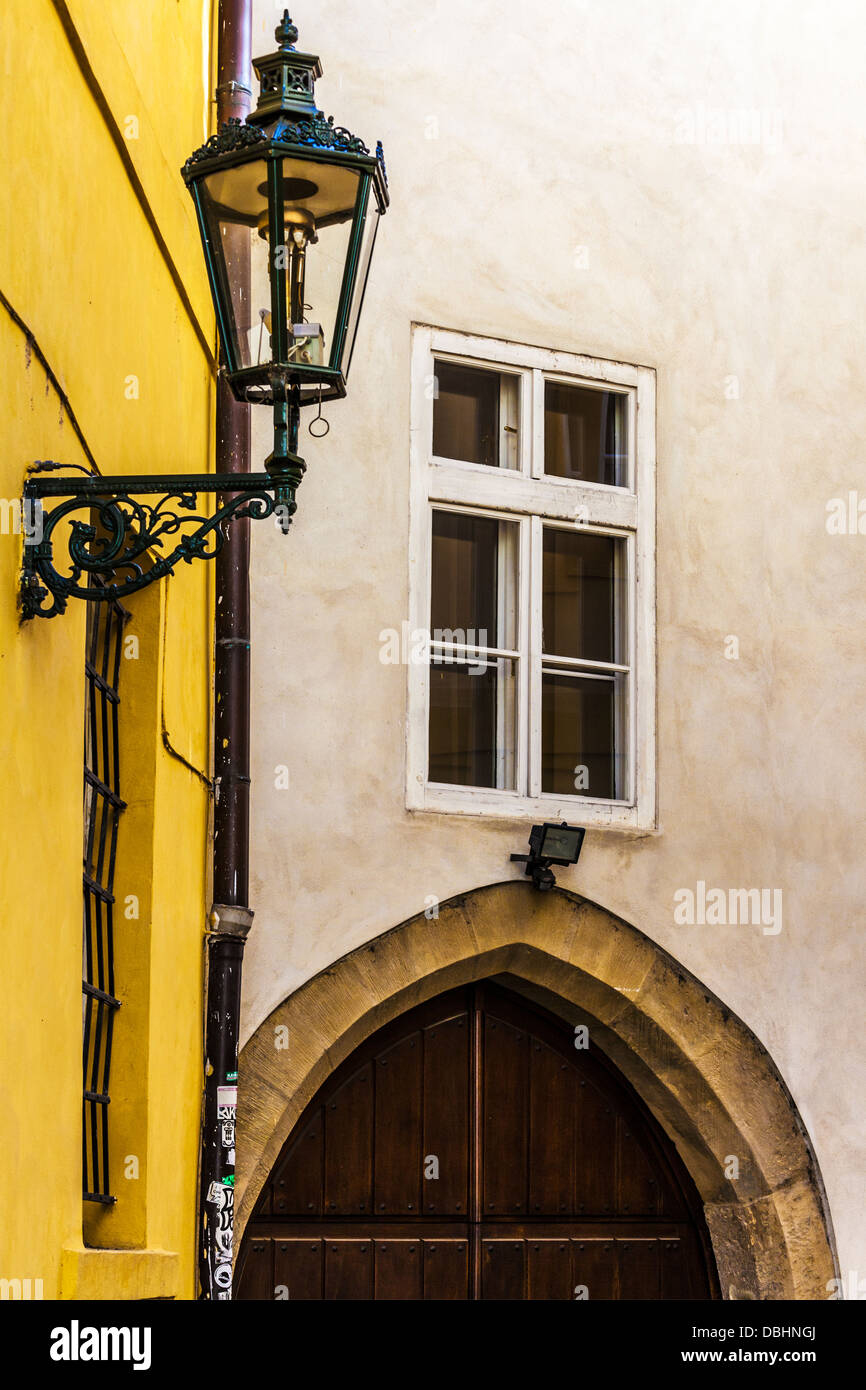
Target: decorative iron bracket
122 539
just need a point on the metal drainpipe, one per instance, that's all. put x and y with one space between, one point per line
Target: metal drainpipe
230 917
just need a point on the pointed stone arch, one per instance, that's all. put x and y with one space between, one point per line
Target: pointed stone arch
708 1080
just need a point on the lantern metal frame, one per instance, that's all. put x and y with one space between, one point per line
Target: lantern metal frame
120 541
240 143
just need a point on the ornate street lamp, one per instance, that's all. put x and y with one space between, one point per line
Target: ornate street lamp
288 204
297 199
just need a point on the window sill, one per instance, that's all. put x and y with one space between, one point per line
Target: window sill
577 810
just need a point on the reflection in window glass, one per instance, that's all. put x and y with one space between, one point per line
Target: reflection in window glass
582 719
475 415
474 580
585 434
473 604
583 715
583 595
471 740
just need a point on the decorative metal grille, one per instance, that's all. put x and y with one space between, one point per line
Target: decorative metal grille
102 810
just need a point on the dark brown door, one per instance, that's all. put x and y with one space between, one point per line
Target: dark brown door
470 1150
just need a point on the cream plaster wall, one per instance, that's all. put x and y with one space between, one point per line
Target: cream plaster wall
557 127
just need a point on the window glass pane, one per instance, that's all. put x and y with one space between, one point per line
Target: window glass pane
583 735
475 415
585 434
472 708
473 596
584 595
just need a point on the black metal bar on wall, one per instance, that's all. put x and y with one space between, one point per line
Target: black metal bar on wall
231 917
102 809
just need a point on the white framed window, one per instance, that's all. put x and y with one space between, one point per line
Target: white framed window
532 584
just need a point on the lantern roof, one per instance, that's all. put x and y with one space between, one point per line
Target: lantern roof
287 78
286 115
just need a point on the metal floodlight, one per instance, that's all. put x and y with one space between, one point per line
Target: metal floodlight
550 844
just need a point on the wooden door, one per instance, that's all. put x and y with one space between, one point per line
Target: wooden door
469 1150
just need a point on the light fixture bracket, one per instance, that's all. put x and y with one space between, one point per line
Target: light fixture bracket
126 543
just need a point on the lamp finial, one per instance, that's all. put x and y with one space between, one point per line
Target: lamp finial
286 33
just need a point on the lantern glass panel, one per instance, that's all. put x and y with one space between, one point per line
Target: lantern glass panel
328 191
319 201
233 207
368 240
324 276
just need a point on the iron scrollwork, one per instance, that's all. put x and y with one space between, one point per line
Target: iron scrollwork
320 131
233 135
123 540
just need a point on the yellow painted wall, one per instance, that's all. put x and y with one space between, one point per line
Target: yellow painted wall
100 260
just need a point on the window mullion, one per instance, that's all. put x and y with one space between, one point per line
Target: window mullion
506 623
534 611
464 651
471 485
579 663
631 480
524 593
535 434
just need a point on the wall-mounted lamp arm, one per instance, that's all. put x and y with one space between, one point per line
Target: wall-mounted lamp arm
127 543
